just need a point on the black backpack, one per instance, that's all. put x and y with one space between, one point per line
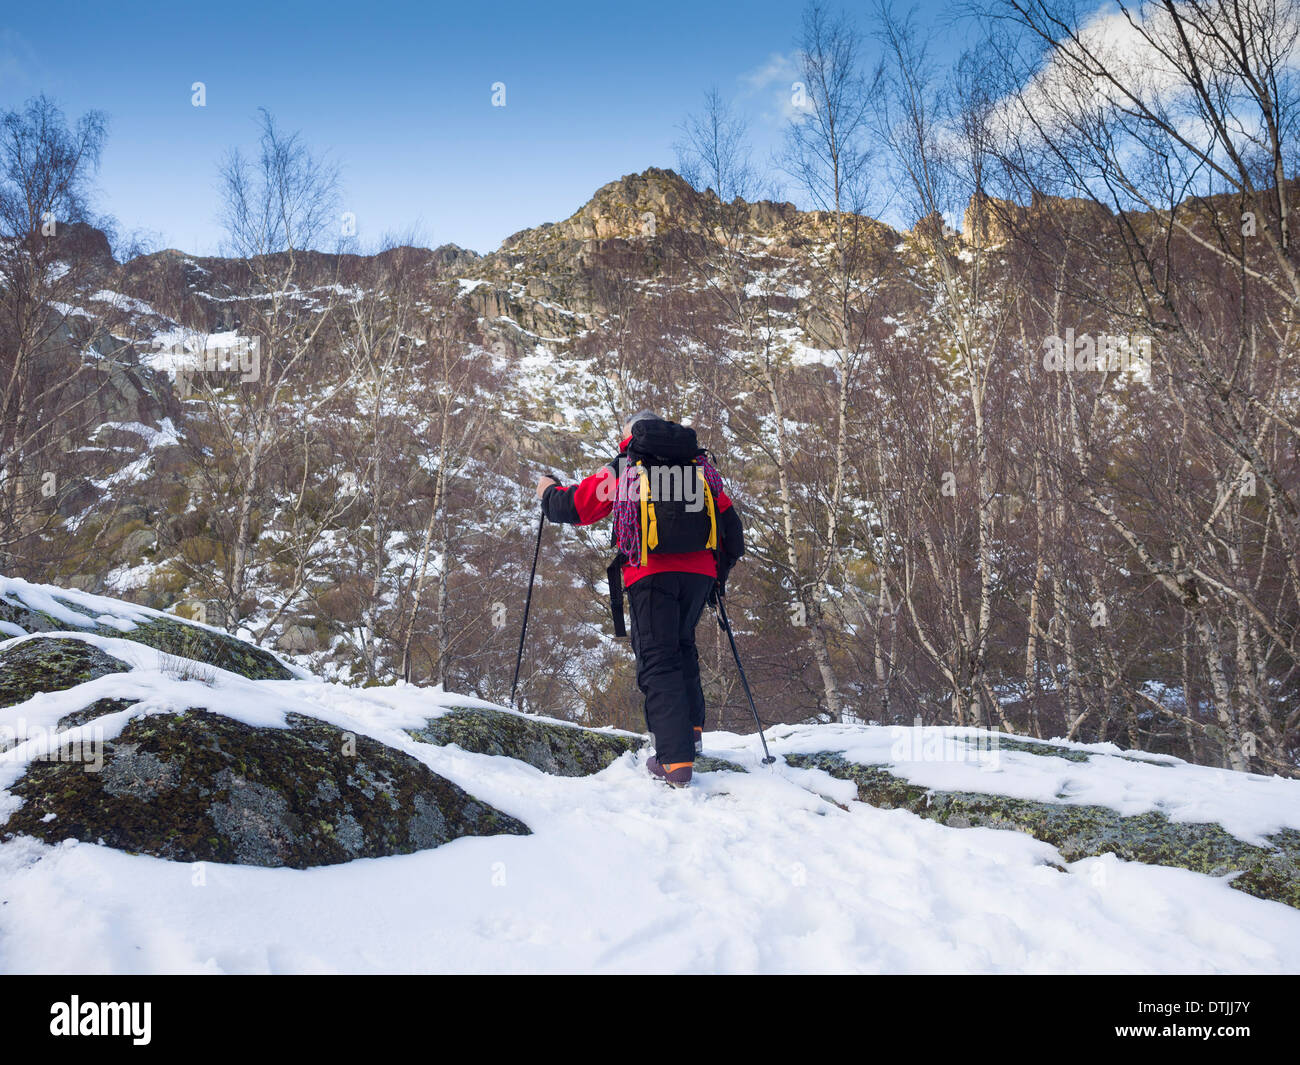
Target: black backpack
665 504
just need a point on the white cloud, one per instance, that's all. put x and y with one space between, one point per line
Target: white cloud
1137 47
772 84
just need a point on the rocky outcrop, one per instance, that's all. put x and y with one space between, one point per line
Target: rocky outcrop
553 747
166 634
563 750
645 205
707 764
112 384
452 257
986 221
1086 831
86 245
530 311
203 786
51 664
626 208
199 786
989 221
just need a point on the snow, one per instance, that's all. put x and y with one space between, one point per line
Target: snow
1250 806
776 870
122 302
803 354
83 610
69 311
743 874
180 349
38 597
165 435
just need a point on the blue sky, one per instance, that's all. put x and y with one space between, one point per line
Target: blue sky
399 94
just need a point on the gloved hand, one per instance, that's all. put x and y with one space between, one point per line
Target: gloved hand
724 571
716 596
719 589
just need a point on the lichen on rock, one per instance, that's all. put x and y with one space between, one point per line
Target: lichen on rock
707 764
173 636
200 786
559 749
51 664
99 708
1080 831
998 741
208 646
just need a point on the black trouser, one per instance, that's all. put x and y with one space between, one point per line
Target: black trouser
665 608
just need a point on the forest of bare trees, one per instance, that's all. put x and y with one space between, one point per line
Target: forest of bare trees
1011 404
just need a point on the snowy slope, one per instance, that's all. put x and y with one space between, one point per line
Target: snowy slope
776 870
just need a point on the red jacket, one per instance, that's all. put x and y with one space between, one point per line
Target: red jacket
592 498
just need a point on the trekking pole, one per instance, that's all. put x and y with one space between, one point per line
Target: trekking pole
528 601
724 623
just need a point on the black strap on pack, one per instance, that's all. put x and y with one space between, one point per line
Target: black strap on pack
615 576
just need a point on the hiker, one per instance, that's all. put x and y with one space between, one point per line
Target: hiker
678 535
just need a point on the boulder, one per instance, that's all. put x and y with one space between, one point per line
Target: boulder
298 639
51 664
169 635
200 786
707 764
554 747
82 242
563 750
1079 831
99 708
136 543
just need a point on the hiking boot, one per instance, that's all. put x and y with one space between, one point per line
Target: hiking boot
676 774
699 740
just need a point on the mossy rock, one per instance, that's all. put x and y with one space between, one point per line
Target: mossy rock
51 664
1087 831
199 786
204 645
1002 742
171 636
27 618
99 708
562 750
706 764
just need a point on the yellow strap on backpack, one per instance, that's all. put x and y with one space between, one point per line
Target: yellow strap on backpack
712 545
649 526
